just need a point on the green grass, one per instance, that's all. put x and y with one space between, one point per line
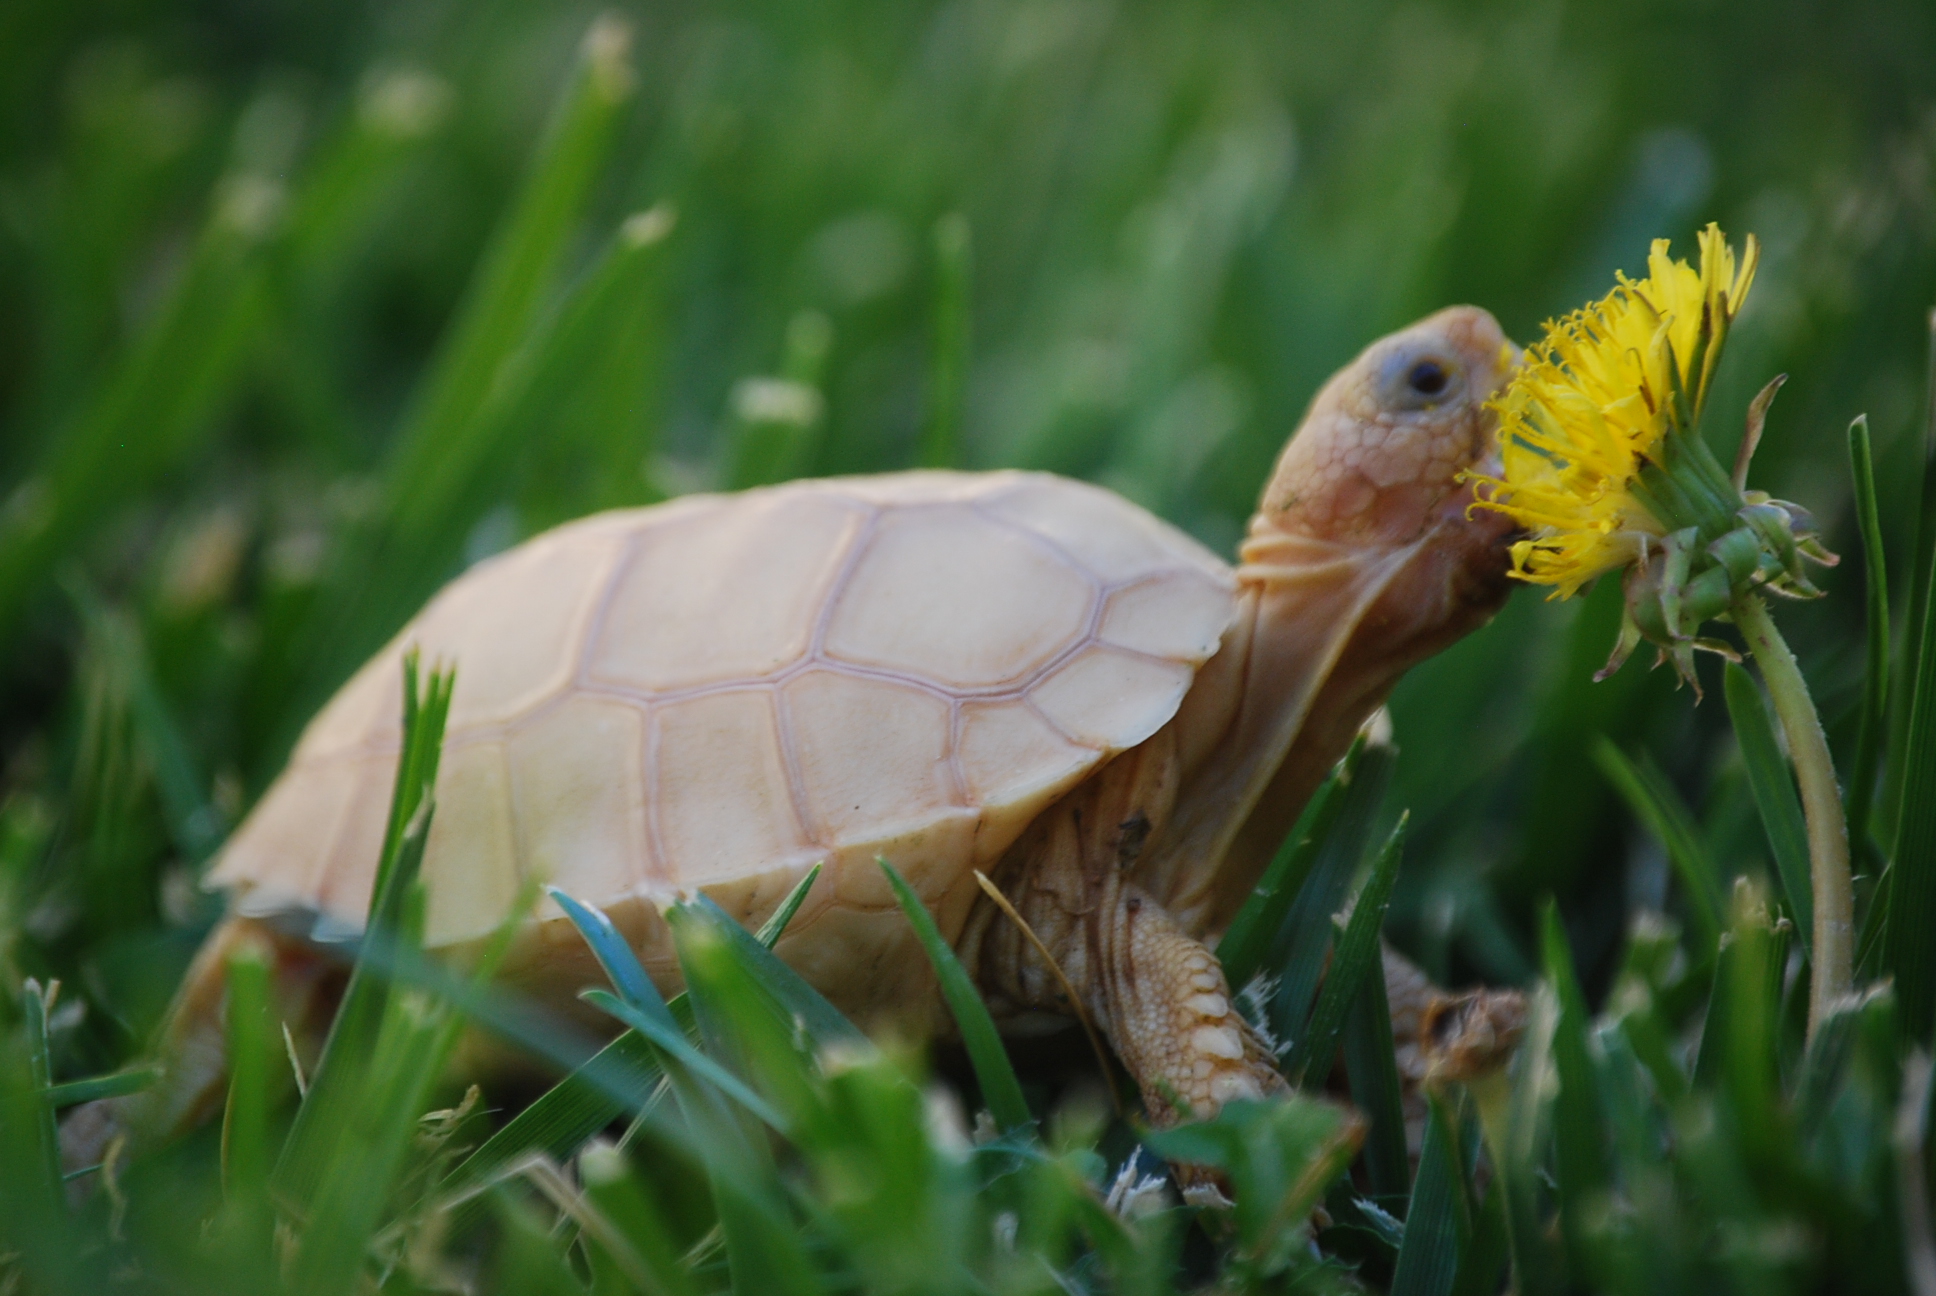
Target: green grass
307 308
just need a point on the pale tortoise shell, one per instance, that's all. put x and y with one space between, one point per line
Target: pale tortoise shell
717 692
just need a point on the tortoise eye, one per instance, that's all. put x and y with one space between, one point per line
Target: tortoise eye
1428 378
1414 379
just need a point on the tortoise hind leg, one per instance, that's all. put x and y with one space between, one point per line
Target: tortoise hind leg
192 1050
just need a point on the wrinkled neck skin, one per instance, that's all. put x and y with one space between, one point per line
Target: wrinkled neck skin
1329 620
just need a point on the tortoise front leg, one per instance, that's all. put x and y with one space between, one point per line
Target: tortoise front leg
1167 1010
1157 993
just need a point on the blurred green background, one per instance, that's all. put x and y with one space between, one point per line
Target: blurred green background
303 307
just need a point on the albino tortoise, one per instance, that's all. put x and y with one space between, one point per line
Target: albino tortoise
1009 671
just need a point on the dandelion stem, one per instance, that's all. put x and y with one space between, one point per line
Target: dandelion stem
1828 836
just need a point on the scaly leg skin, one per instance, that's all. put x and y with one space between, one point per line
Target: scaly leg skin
1168 1013
1157 993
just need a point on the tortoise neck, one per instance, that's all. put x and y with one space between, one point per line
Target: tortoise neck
1298 695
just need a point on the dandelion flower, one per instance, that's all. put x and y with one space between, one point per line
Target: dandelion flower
1597 401
1602 461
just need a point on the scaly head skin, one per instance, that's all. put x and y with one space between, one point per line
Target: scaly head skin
1378 459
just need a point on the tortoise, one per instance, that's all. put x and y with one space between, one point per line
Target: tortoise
1010 672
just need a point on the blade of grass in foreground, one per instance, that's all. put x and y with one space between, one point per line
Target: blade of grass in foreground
639 1005
1371 1064
1579 1141
1245 942
1358 955
1437 1226
247 1158
666 1037
762 1253
348 1050
824 1023
1875 678
999 1087
560 1121
1909 954
1774 793
45 1136
1300 948
1655 803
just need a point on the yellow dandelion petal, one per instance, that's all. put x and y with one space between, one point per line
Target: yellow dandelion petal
1591 404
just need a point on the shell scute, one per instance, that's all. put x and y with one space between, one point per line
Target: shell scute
1113 539
1008 750
724 594
578 796
945 594
1168 615
871 756
346 873
1100 694
470 866
722 801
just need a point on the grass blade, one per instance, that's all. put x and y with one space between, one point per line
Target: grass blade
70 1093
1875 679
777 922
1922 571
667 1038
776 425
1774 793
1300 949
443 431
247 1158
621 1198
432 506
1579 1141
640 1006
524 256
1358 956
999 1087
948 376
33 1216
585 1102
1371 1065
153 407
615 956
1752 1059
570 1112
353 1036
378 1108
1245 942
1908 952
824 1023
1655 803
1438 1224
194 823
46 1135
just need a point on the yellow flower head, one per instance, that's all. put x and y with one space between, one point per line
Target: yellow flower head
1594 401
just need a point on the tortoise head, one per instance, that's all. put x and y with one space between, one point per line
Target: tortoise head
1378 458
